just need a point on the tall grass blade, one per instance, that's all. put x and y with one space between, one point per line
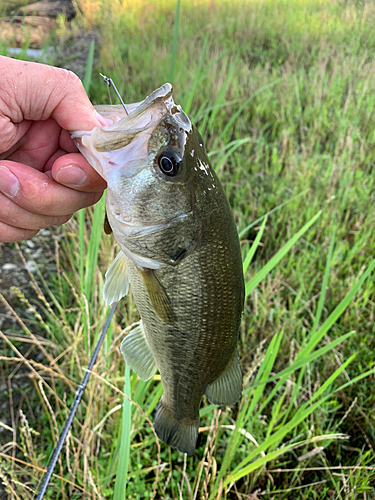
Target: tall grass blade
93 247
324 285
175 43
280 254
234 145
88 72
336 313
205 111
301 414
254 246
264 371
197 77
235 115
316 320
81 214
242 233
82 247
123 462
221 96
299 363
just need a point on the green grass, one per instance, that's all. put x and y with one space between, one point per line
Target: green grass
283 94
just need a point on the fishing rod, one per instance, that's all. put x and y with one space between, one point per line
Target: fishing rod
74 408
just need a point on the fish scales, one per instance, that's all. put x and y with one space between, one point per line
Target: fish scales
181 254
207 309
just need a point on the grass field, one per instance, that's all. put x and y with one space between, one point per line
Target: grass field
283 93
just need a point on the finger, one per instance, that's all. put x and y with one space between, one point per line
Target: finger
39 91
39 143
14 215
11 137
48 166
74 171
10 233
38 193
66 142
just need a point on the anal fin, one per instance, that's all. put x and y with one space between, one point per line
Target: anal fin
116 283
137 353
227 388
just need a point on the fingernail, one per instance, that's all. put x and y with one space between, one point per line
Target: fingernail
9 184
71 176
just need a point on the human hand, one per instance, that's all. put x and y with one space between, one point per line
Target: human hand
43 178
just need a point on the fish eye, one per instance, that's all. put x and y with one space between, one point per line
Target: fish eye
169 163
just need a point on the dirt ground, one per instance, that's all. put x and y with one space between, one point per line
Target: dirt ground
36 25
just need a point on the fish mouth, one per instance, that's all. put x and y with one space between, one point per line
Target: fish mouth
141 121
162 94
124 145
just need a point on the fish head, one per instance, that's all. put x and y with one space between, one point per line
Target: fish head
141 157
156 169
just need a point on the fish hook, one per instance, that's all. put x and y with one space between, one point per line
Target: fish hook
110 83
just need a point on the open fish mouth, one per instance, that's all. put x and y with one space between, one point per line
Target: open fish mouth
142 116
142 119
127 139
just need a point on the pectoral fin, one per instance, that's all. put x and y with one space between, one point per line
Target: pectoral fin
157 295
116 283
227 388
137 353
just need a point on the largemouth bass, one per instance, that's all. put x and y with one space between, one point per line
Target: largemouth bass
179 251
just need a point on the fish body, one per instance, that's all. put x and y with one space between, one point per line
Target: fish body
179 251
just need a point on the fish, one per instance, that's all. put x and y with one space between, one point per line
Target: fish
180 253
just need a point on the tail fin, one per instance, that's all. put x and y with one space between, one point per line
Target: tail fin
180 435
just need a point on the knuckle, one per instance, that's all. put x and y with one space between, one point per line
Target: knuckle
71 77
6 209
70 82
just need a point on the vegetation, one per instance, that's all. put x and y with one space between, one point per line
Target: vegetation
283 94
